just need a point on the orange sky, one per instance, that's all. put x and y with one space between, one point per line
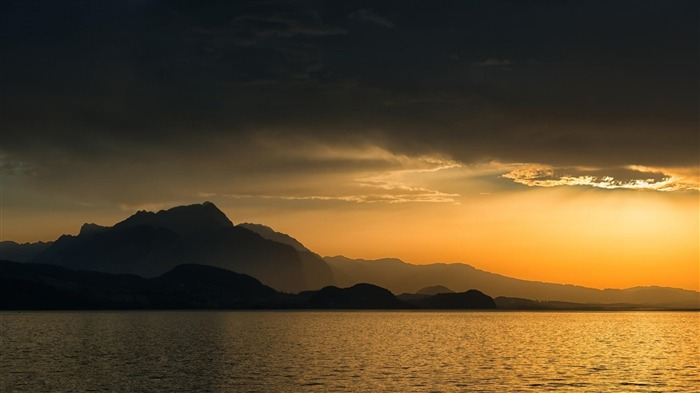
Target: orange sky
442 211
564 236
482 137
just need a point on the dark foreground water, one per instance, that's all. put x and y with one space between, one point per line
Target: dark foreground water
350 351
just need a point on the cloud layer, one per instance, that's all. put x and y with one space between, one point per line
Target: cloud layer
140 101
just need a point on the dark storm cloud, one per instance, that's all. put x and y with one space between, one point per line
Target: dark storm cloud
368 15
111 85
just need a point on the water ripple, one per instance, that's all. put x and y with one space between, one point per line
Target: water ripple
349 351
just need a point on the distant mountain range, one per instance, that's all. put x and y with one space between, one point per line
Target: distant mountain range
22 252
402 277
150 245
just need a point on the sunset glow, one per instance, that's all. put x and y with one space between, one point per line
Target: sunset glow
504 138
350 195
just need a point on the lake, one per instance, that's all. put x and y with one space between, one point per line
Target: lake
334 351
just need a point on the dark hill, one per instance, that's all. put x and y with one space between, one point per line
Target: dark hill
210 278
471 299
27 286
199 286
359 296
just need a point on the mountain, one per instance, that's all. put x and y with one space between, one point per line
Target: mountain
149 244
238 249
402 277
33 286
142 250
271 234
359 296
468 300
90 228
317 273
199 286
181 219
471 299
29 286
21 252
434 290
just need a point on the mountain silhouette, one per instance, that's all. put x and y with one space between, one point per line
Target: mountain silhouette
401 277
21 252
359 296
200 286
89 229
36 286
471 299
149 244
29 286
271 234
434 290
142 250
442 300
317 273
181 219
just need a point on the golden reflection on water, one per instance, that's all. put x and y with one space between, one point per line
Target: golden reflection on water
350 351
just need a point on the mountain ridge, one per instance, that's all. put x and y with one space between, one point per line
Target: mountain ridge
181 219
148 244
28 286
402 277
317 273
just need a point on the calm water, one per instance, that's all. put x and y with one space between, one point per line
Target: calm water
350 351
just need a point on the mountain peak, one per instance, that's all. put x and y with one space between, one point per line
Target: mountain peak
181 219
90 228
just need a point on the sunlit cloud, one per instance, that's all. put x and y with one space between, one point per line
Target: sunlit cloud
379 176
631 177
397 179
424 197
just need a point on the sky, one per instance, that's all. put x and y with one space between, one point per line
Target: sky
546 140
